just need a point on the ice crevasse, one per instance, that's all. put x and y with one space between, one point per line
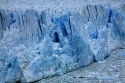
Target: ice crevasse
36 44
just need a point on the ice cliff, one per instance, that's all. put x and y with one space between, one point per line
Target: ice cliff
48 39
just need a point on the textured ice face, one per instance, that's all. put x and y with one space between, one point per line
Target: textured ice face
39 44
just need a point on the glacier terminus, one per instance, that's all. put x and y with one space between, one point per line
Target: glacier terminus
45 38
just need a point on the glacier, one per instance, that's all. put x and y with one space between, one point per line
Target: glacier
45 41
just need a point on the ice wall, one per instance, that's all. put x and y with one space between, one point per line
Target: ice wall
39 44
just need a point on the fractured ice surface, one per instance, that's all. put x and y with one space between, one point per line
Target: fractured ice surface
37 44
